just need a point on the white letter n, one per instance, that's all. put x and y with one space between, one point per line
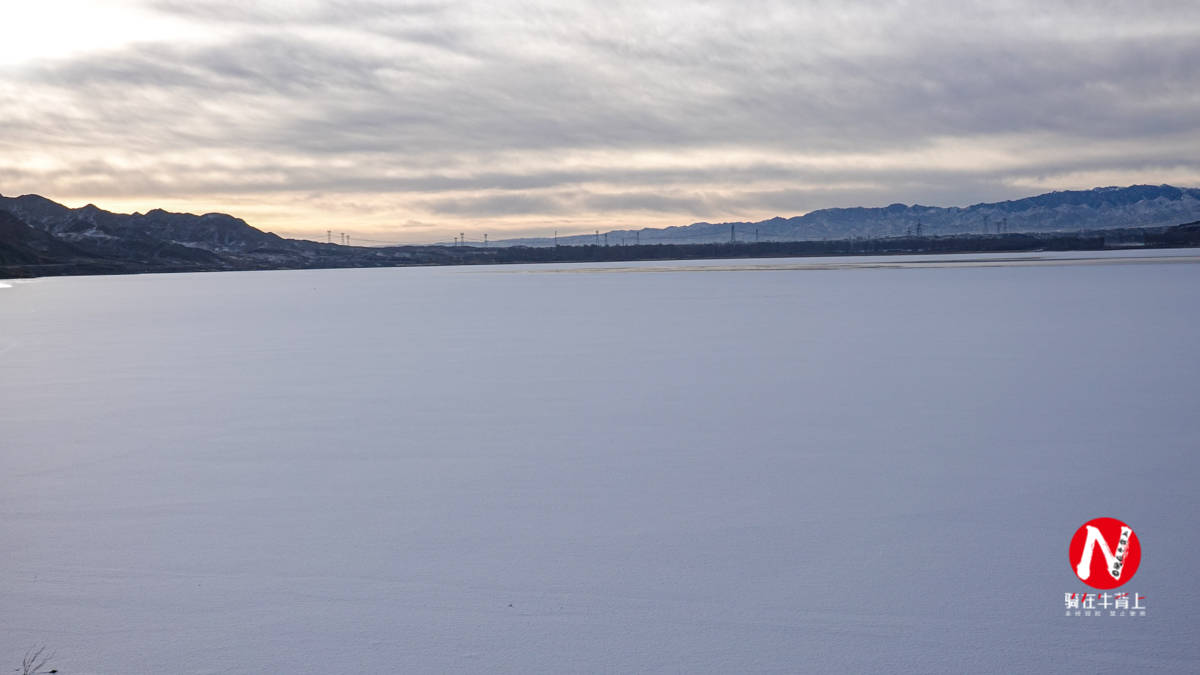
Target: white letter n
1112 562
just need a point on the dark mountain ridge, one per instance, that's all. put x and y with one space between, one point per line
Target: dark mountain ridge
215 232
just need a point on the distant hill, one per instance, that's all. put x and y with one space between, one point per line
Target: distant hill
216 232
1096 209
40 237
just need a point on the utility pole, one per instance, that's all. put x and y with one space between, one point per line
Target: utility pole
637 237
556 238
732 236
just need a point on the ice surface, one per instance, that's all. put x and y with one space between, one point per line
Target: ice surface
506 469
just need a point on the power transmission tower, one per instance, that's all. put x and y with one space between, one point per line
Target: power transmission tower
485 239
328 236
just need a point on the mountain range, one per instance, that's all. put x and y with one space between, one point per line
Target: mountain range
1065 211
41 237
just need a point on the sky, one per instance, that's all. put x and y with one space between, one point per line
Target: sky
410 122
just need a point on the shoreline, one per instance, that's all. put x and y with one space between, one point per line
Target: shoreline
299 255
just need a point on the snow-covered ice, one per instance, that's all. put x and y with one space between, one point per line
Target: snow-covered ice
515 469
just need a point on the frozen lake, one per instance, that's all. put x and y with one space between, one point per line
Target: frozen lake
733 466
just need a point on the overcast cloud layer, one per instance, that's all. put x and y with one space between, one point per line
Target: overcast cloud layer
412 121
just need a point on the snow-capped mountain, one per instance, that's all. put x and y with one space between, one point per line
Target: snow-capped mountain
1099 208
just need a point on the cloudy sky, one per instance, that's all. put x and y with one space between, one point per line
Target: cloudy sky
411 121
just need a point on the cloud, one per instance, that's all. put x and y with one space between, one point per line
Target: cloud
531 114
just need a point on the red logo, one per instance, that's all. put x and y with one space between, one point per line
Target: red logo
1105 553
